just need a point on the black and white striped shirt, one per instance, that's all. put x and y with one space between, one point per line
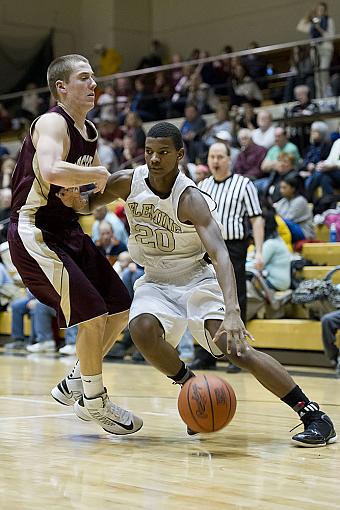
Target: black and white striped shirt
235 197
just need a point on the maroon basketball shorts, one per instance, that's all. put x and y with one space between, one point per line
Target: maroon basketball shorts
67 272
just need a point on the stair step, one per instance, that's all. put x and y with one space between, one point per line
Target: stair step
320 272
322 253
287 334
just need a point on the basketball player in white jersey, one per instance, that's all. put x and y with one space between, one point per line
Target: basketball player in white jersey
172 230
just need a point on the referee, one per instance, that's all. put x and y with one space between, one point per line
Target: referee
236 199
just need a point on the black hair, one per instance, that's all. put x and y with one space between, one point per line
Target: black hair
268 214
293 181
167 130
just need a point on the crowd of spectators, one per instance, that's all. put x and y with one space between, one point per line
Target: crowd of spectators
288 165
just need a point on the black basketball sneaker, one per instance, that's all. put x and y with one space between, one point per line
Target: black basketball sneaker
319 429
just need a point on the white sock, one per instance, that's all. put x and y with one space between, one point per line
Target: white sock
75 373
93 385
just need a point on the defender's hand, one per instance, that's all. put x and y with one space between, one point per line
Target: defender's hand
101 179
71 197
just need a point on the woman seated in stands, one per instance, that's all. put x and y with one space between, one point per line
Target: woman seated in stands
294 209
276 256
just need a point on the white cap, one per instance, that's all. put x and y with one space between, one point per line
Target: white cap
224 135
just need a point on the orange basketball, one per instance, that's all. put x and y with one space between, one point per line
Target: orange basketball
206 403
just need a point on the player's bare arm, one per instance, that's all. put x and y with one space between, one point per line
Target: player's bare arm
51 141
118 186
194 209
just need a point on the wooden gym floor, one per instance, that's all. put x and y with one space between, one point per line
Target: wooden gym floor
50 459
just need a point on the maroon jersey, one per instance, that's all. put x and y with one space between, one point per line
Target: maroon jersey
35 199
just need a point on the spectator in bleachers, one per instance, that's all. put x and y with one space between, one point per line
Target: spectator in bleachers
247 119
192 131
304 105
134 128
330 324
181 88
7 166
282 145
143 102
248 162
202 172
42 323
101 213
106 103
226 138
123 93
131 156
222 124
301 64
264 135
107 155
294 209
163 92
243 88
31 103
300 132
108 243
21 307
5 211
276 256
255 64
3 151
317 151
317 24
155 57
176 73
286 165
327 174
109 60
201 95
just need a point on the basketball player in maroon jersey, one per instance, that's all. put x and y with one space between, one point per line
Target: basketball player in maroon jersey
55 259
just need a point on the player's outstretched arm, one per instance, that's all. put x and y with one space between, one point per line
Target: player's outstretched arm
194 208
51 141
118 186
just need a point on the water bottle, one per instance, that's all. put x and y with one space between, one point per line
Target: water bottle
332 233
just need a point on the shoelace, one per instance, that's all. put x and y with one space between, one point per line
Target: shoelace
121 414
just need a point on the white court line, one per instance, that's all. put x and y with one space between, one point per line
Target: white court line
21 399
155 414
8 418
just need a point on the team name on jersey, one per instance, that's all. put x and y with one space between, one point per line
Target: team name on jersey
155 215
85 160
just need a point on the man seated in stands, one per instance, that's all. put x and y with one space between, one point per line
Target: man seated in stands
192 131
247 119
108 243
248 162
317 151
222 123
327 174
271 161
101 213
5 211
299 133
264 135
294 209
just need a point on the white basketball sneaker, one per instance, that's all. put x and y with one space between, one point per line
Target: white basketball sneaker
108 415
68 391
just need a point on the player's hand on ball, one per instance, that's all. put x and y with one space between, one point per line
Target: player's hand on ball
232 335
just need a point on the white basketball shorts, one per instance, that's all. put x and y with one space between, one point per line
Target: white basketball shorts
181 304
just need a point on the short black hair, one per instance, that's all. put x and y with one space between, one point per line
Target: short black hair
292 179
167 130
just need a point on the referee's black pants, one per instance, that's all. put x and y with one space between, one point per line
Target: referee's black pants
238 255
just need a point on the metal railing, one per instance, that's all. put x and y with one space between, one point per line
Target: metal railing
168 67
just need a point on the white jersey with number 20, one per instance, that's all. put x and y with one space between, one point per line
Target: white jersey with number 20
159 240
